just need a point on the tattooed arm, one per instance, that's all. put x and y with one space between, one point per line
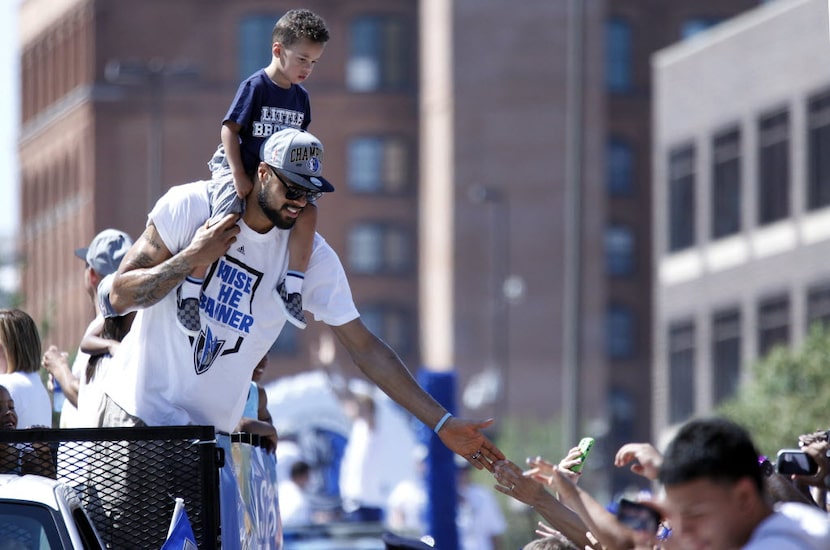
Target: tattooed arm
149 270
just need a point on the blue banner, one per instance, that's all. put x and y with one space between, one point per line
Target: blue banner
248 494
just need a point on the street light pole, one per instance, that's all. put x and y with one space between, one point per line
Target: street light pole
499 312
153 74
572 287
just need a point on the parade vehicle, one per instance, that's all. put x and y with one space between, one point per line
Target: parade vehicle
45 514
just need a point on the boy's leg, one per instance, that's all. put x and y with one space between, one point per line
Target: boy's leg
300 242
223 201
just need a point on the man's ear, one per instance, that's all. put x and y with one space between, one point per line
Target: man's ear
92 277
745 493
263 173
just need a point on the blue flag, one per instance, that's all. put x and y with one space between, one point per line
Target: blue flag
181 535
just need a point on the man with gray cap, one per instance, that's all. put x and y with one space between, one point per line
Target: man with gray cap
163 377
102 257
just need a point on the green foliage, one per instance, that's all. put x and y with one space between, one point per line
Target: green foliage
520 438
787 394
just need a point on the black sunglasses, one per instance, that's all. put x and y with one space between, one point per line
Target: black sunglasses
294 192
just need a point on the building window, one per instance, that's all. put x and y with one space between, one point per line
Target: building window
379 55
726 184
620 332
695 25
681 198
773 168
619 250
618 55
726 353
773 324
255 43
379 248
818 143
393 325
619 177
378 165
818 305
681 371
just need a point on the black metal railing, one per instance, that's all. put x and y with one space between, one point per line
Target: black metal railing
128 478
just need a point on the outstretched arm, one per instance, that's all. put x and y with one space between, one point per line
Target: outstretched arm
383 367
93 343
645 460
528 490
150 271
57 363
603 524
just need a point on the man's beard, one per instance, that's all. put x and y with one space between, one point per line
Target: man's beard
273 215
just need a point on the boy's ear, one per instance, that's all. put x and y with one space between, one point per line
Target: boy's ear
276 49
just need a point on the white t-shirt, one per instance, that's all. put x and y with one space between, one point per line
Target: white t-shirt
91 394
31 400
793 526
406 508
479 518
160 377
295 510
361 479
69 412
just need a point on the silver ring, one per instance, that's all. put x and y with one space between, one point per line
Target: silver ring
475 455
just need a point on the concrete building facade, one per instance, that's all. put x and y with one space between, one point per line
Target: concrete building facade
741 196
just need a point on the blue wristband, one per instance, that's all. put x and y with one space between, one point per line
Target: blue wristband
442 422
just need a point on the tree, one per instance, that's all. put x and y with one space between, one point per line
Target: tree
787 394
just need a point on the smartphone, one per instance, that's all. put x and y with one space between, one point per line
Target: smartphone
795 461
585 445
637 516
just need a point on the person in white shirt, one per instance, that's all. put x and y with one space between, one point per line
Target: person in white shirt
161 376
20 352
295 509
715 496
102 257
481 523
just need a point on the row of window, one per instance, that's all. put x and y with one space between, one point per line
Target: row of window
52 67
773 328
619 49
380 54
773 182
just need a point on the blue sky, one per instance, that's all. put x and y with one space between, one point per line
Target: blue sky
9 115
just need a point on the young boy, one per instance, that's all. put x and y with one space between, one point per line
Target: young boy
269 100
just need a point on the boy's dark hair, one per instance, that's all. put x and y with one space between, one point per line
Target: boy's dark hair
297 24
711 448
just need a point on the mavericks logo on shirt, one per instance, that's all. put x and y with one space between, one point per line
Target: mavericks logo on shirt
206 350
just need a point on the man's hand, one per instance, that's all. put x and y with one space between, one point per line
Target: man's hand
150 271
512 483
465 438
817 450
212 242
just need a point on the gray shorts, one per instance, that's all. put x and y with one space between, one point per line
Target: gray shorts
221 191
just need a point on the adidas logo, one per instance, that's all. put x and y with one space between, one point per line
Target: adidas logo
241 250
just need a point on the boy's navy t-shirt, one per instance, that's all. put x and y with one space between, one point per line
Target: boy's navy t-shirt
262 108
